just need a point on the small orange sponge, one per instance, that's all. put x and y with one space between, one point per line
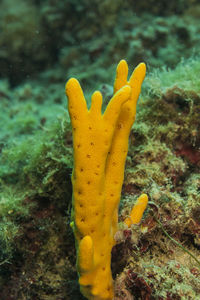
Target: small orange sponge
137 211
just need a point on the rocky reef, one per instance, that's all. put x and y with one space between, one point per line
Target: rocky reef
42 44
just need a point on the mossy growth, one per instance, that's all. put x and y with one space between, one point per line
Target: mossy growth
36 158
165 140
164 162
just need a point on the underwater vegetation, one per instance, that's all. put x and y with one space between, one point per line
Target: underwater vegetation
42 45
37 247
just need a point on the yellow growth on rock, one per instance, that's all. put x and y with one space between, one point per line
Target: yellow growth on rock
100 144
137 211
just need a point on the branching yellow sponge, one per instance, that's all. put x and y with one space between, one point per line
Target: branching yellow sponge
100 144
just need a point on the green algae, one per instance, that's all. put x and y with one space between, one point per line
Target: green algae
34 157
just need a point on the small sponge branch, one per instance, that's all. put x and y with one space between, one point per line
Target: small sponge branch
136 80
137 211
85 254
138 74
76 101
121 75
96 103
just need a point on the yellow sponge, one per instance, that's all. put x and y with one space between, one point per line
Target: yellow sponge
100 143
137 211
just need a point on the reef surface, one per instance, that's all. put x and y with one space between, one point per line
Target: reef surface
42 44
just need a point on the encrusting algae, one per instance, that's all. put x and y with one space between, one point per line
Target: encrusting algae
100 143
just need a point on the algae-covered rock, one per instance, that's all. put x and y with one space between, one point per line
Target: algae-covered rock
42 44
37 247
